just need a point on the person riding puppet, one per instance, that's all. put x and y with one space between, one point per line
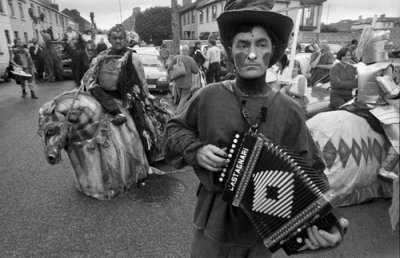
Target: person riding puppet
117 75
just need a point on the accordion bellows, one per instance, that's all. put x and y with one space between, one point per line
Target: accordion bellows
280 193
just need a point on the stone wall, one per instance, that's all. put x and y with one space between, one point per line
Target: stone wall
344 38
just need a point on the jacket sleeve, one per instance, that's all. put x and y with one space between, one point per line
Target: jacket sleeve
181 140
337 82
139 68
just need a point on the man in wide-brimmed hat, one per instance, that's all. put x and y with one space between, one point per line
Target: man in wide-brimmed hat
254 38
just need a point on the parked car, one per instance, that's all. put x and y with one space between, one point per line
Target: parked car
5 64
154 70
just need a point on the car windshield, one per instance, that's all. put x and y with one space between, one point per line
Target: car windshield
150 60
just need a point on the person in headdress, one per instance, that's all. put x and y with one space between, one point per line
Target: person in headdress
254 37
321 62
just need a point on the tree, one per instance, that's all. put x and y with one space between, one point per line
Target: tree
154 25
175 28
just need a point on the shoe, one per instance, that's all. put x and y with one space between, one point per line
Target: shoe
119 119
33 95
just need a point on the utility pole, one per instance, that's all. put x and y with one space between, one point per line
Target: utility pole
175 28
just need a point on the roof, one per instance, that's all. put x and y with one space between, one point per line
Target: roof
205 3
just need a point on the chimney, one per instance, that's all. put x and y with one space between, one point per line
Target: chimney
382 16
360 18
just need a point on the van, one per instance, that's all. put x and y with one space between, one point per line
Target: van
4 60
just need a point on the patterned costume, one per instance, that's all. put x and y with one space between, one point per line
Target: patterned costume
115 77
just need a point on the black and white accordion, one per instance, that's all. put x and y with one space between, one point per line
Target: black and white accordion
280 193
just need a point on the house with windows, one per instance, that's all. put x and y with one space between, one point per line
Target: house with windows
198 17
82 24
28 17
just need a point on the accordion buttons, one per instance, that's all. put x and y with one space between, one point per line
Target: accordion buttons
237 135
299 240
229 155
231 151
235 141
221 179
233 146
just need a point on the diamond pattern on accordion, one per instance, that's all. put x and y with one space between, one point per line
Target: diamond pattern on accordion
273 193
366 149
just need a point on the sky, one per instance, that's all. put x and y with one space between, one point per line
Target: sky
109 12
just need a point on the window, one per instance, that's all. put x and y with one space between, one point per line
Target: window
36 33
184 19
16 35
7 33
214 12
21 10
56 18
50 20
193 16
10 3
207 13
309 17
38 11
33 9
26 37
201 16
62 21
1 7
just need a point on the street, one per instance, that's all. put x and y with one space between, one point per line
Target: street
42 215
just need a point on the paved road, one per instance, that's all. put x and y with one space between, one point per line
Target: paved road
42 215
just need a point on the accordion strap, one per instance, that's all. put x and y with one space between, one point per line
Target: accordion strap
262 114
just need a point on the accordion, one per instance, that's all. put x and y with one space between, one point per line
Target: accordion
280 193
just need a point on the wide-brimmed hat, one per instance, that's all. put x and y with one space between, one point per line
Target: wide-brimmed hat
239 12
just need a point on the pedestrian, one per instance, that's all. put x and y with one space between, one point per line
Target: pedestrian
183 84
36 53
198 56
164 55
70 35
116 76
79 60
343 78
24 68
254 38
321 62
214 59
101 46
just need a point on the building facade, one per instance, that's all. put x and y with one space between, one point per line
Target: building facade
28 17
82 25
198 17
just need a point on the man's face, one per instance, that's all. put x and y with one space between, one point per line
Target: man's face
323 44
18 43
118 40
251 53
34 41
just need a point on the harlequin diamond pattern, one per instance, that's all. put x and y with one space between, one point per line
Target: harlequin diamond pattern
344 152
366 150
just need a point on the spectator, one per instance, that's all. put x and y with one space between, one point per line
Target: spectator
87 35
282 69
71 35
101 46
183 85
352 47
343 77
296 88
23 67
321 62
214 59
36 53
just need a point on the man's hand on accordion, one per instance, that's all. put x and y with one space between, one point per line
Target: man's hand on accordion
323 239
211 157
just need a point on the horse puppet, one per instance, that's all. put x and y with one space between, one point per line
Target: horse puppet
106 159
